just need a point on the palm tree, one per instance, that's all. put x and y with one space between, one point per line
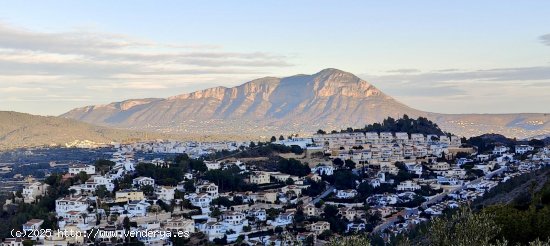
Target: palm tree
84 216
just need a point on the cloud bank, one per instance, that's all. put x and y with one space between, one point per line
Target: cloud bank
36 64
500 90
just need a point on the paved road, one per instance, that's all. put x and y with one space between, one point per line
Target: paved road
390 221
327 192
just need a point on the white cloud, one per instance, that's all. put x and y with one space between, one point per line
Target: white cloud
501 90
13 89
98 67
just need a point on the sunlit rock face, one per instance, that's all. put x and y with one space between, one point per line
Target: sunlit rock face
329 99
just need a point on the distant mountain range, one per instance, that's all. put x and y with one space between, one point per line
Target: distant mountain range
329 99
25 130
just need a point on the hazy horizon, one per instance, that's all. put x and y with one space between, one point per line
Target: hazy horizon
481 57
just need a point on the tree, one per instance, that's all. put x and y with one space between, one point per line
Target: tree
315 188
325 235
296 149
320 131
220 241
28 242
103 166
310 241
289 181
299 216
293 167
338 162
344 179
361 240
101 191
281 138
126 223
457 229
216 213
189 186
537 143
82 176
365 189
222 201
349 164
147 190
330 211
273 139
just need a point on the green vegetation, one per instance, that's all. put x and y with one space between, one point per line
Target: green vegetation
17 128
170 174
526 218
293 167
229 180
103 166
338 224
487 142
269 149
14 219
405 124
315 188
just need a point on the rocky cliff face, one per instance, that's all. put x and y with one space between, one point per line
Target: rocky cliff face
329 99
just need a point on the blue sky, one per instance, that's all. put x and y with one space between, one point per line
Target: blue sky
450 57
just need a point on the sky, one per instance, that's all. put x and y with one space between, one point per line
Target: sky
438 56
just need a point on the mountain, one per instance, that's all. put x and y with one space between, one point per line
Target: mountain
329 99
25 130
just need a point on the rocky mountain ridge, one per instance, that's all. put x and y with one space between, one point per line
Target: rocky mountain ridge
329 99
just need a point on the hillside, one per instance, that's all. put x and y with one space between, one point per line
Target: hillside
329 99
25 130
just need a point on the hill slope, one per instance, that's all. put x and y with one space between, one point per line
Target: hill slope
25 130
329 99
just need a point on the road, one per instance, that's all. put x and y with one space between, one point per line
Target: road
390 221
327 192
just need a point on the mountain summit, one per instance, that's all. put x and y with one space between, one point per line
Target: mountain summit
329 99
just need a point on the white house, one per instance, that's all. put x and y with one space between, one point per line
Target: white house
375 182
166 193
33 225
32 191
201 200
143 181
522 149
179 224
345 194
107 182
137 208
234 221
75 169
210 188
282 220
408 185
66 204
499 150
482 157
260 214
212 165
259 177
323 170
414 168
213 230
301 142
319 227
